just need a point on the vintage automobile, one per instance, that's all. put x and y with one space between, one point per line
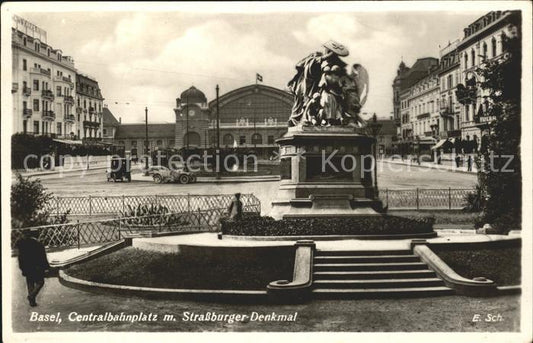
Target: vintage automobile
119 169
162 174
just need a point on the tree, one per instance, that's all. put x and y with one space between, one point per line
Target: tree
28 204
499 173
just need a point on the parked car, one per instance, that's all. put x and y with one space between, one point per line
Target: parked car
119 169
162 174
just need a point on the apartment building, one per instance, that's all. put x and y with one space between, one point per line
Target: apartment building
43 83
483 40
89 106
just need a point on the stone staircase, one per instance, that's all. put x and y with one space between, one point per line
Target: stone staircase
373 274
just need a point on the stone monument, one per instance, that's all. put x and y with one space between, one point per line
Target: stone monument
326 158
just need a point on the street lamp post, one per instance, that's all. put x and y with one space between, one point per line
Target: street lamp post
146 140
217 153
375 129
187 123
418 150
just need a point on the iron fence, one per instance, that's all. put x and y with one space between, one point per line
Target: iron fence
110 230
119 205
421 199
192 213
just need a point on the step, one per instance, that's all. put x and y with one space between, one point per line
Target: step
335 293
369 266
381 283
378 274
366 259
362 252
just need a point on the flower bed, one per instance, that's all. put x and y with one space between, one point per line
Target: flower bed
361 225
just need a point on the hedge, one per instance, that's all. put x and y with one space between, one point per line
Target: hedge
360 225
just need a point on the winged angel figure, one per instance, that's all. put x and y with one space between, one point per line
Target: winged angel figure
326 90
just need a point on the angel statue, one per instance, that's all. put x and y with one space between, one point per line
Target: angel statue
326 90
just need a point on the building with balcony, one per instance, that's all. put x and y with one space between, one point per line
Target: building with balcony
42 79
450 109
483 40
413 89
424 110
89 108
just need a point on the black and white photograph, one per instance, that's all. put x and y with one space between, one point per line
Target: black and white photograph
267 171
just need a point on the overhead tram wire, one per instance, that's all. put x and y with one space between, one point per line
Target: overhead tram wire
172 72
181 73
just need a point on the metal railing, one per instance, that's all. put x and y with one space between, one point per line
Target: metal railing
111 230
421 199
120 204
189 213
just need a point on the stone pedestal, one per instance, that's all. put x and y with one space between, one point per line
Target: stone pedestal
325 172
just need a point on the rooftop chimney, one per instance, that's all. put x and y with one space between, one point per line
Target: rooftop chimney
120 120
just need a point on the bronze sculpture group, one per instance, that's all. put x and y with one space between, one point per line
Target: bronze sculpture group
328 91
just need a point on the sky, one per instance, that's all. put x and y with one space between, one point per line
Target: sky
146 59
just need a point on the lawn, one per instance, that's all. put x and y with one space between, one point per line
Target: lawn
250 270
500 264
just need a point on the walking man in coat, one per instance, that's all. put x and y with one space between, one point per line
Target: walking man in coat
235 208
32 263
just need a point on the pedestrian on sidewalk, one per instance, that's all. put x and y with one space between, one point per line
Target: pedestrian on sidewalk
235 208
469 163
457 161
33 264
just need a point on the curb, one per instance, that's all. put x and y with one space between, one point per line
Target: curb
237 180
333 237
162 293
41 173
509 290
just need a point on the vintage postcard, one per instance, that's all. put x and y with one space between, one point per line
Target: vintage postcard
318 171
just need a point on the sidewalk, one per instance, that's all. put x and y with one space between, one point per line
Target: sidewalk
212 179
431 165
37 172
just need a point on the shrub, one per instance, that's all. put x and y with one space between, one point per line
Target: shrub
28 204
362 225
152 214
475 200
145 210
